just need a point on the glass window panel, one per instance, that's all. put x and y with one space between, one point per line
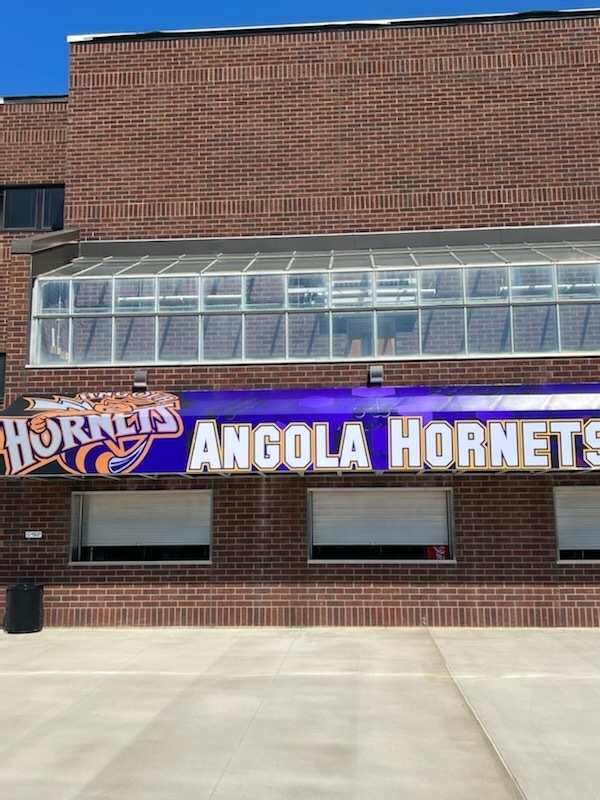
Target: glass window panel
222 337
474 256
399 258
178 338
439 258
134 338
315 261
266 262
578 280
532 283
351 289
110 266
488 330
580 327
396 287
588 248
224 291
192 263
560 252
265 291
521 255
54 297
265 336
441 286
147 266
345 260
442 331
352 335
53 207
398 333
20 207
535 329
488 284
134 294
307 290
231 263
78 265
92 340
178 294
53 343
308 335
92 296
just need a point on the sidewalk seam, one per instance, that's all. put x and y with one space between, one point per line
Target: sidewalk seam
477 718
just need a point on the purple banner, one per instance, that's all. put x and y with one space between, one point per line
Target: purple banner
312 430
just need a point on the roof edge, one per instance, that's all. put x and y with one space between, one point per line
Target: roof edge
301 27
25 99
29 245
442 237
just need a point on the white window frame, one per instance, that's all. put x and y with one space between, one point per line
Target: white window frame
398 492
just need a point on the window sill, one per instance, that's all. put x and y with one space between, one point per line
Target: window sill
138 563
369 561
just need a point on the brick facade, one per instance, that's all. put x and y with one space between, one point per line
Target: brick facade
381 128
430 126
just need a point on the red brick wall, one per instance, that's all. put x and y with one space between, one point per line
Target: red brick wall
33 142
32 151
505 541
506 571
388 128
382 129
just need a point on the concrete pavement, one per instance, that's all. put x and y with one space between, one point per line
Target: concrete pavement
300 714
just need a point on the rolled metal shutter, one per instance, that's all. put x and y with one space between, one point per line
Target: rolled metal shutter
577 511
146 518
380 517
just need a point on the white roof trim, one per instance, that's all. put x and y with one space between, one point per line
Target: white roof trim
88 37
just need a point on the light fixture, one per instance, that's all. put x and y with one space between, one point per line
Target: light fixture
140 380
375 375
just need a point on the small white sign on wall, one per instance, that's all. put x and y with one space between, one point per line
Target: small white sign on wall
33 534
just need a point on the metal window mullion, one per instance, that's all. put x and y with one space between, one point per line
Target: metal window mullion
375 339
511 319
558 329
200 347
156 319
286 334
464 305
70 346
40 193
113 338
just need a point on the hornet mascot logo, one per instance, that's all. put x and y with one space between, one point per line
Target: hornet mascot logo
102 433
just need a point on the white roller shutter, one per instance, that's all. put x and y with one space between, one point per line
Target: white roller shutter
577 512
111 519
380 517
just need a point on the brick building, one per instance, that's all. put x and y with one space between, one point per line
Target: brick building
315 340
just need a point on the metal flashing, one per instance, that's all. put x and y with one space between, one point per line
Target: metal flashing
15 100
29 245
453 237
336 25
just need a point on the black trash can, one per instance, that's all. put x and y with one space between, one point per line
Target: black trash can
24 608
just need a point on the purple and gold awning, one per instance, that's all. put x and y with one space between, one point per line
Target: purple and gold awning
477 428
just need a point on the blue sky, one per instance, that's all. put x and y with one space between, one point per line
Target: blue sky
33 33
